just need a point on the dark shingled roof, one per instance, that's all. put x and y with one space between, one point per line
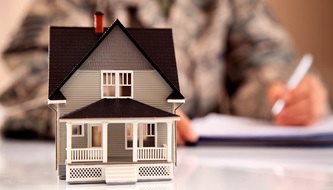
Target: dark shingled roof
71 46
117 108
57 95
158 44
68 45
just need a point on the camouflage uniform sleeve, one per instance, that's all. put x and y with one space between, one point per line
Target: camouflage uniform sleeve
23 100
258 52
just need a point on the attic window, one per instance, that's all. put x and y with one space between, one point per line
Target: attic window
117 84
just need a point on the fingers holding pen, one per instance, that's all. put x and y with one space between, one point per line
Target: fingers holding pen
276 91
304 105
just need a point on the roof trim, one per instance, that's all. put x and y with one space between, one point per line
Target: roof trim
56 102
176 101
105 34
117 108
121 120
57 95
175 95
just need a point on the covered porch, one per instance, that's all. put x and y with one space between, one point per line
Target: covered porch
135 135
141 133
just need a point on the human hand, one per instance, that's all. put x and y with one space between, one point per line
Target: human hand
185 132
304 105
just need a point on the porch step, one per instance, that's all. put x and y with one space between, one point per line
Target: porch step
121 174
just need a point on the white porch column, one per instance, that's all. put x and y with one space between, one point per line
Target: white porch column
135 142
105 142
141 135
169 140
69 142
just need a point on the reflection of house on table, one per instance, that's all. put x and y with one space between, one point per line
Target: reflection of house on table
115 92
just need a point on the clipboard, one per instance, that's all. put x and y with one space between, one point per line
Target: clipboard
217 129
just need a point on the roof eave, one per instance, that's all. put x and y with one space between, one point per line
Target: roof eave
121 120
179 101
56 101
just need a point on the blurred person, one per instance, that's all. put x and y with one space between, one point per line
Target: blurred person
233 58
239 66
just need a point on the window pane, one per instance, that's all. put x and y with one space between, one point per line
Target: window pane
125 91
129 135
129 78
125 78
153 129
121 81
104 78
109 78
129 143
109 91
77 130
129 130
149 142
144 130
113 82
148 129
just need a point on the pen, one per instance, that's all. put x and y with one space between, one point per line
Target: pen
294 80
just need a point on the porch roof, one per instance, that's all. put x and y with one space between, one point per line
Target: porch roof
117 108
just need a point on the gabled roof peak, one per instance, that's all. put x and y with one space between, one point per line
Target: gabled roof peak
98 39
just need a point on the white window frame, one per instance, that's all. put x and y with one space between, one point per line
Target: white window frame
82 130
116 82
149 130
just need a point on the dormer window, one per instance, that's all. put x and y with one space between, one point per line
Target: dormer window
117 84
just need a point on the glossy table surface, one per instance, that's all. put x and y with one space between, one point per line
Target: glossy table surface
30 165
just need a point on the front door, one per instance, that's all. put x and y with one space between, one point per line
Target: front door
95 140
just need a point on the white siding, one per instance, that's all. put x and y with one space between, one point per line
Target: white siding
150 88
82 89
161 134
63 143
116 141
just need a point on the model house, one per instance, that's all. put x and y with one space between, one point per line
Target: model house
115 92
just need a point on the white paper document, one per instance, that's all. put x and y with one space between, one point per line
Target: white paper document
225 126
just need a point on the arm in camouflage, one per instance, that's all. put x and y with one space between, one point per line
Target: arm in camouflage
258 53
227 52
26 57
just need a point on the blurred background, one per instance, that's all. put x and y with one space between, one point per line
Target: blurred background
310 25
308 22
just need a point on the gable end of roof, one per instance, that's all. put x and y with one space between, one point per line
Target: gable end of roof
100 40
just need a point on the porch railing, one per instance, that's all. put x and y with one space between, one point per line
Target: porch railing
152 153
86 154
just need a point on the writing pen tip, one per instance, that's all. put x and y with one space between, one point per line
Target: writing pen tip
278 106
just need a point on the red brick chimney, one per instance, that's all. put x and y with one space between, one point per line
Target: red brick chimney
99 18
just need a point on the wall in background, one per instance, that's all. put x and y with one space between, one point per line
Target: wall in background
310 24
